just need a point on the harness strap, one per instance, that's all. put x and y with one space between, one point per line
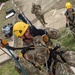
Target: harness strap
25 48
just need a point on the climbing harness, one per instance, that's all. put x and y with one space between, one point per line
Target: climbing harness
53 54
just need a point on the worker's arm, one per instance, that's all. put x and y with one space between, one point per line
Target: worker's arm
67 22
66 16
24 48
4 44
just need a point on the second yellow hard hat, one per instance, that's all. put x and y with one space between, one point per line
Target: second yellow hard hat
68 5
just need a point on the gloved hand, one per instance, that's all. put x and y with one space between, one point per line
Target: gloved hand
67 25
45 38
3 43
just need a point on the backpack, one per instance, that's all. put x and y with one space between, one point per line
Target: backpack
7 30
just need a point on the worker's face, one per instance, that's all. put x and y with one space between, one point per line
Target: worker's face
70 10
27 36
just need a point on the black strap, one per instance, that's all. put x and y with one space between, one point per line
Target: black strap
25 48
60 54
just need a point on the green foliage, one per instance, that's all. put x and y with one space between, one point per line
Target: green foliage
66 40
8 69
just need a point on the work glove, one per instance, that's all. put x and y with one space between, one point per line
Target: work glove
45 38
67 25
3 43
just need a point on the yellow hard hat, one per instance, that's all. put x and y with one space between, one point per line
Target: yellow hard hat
68 5
20 28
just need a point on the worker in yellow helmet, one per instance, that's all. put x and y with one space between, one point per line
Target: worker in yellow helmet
68 5
26 33
70 15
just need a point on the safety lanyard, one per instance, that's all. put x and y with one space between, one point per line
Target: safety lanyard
17 62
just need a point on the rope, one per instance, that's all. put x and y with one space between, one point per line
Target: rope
17 62
21 12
